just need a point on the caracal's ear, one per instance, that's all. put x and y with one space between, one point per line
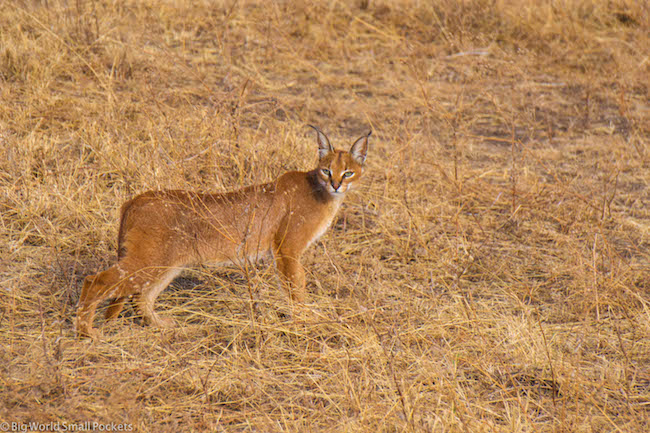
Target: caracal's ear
359 149
324 146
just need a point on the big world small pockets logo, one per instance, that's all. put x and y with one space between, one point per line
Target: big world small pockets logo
63 426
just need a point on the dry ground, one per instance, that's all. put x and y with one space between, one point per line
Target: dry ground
490 275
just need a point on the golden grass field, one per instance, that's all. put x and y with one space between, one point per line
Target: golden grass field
491 274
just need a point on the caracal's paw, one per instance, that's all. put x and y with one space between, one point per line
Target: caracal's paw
86 331
164 322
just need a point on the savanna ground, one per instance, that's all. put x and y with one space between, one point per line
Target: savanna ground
492 273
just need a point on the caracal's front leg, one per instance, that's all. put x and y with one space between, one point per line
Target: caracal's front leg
288 263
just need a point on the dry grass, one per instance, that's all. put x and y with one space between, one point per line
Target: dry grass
491 275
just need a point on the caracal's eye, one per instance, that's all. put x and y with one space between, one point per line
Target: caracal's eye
348 174
326 172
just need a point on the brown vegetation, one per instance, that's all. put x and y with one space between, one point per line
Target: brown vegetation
491 274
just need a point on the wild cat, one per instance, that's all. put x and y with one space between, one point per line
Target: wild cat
163 232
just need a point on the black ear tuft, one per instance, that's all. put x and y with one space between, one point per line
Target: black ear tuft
324 146
359 149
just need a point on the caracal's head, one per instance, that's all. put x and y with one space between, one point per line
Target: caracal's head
338 170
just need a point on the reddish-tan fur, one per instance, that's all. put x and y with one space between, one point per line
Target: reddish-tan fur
162 232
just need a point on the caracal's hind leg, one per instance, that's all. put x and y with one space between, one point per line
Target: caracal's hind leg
104 285
118 282
115 308
150 291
